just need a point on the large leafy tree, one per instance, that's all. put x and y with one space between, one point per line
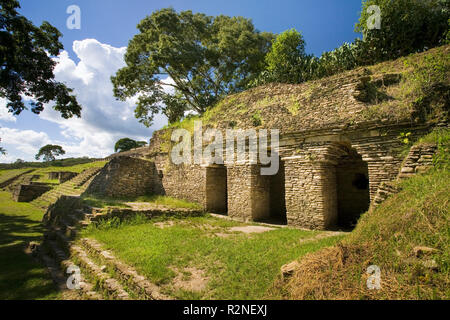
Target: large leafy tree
126 144
407 26
26 65
50 152
202 58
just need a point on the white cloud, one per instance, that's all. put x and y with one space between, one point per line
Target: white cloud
104 120
4 114
25 142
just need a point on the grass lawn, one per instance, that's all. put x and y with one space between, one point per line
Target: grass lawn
8 174
77 168
20 276
236 265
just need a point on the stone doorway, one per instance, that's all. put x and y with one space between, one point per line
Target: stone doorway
216 189
278 197
353 194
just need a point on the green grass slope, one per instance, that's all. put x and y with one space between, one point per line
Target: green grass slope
21 278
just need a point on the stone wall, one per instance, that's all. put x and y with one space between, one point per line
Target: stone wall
419 159
127 177
239 191
62 176
310 193
183 181
316 187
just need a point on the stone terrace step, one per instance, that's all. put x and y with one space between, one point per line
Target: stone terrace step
56 261
110 286
138 284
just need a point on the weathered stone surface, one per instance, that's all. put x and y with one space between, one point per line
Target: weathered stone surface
288 269
127 177
325 177
421 251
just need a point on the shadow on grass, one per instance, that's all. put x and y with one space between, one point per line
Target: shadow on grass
21 277
15 229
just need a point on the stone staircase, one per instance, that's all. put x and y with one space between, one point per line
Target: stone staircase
103 276
419 160
74 187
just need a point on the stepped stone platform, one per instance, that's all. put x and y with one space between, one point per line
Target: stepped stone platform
419 160
103 276
73 187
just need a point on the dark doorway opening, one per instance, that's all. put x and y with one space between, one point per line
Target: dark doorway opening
216 189
352 189
278 197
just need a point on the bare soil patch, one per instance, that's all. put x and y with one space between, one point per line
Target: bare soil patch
191 279
251 229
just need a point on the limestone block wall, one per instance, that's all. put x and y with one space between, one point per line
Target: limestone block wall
419 159
62 176
316 184
311 198
383 150
184 182
260 194
66 176
240 191
126 177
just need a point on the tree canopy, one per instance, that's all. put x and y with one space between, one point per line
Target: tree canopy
200 59
127 144
26 64
407 26
50 152
286 61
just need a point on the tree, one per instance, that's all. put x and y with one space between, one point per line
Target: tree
205 58
50 152
287 62
127 144
407 26
287 57
26 64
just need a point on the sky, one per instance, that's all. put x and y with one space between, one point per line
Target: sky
93 53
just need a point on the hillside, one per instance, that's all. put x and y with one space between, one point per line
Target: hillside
412 89
407 237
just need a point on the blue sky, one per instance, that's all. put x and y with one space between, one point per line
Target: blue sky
95 52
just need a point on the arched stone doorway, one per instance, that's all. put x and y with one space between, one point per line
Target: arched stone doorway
352 186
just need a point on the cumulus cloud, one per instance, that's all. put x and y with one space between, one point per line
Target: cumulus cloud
25 142
104 120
